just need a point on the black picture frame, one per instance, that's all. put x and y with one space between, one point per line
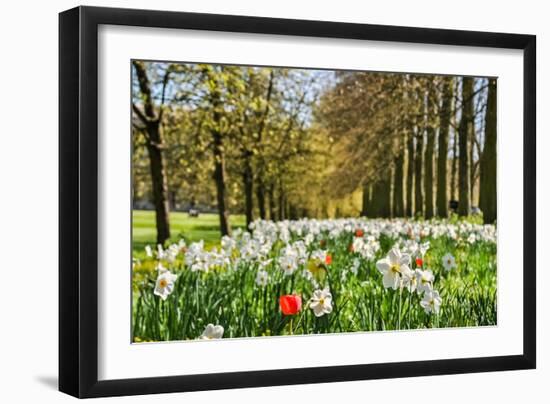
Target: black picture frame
78 200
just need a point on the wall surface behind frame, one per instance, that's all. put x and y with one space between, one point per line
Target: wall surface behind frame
28 206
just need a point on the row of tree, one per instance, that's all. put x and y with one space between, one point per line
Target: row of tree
414 142
238 135
276 143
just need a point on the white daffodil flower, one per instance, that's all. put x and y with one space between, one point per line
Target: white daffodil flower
425 280
431 302
355 266
367 248
228 244
319 255
212 332
160 268
394 268
165 284
160 252
423 248
448 262
262 278
409 280
148 251
321 302
309 238
289 260
171 253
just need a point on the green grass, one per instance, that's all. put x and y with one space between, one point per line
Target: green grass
231 298
205 227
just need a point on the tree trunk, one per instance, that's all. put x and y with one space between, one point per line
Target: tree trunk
159 182
160 190
365 205
398 206
464 130
172 199
282 202
429 158
488 167
271 202
381 196
410 174
472 146
454 168
219 165
219 178
292 212
288 209
248 181
260 185
260 195
442 202
418 197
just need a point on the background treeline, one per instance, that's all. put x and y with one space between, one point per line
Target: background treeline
276 143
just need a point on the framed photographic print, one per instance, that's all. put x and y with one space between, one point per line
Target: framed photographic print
251 201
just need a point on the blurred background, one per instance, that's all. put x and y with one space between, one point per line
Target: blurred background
216 147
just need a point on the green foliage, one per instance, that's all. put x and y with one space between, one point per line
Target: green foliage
264 117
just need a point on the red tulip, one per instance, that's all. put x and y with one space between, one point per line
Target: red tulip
328 259
290 304
419 262
359 233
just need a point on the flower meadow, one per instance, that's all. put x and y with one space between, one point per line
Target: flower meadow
314 276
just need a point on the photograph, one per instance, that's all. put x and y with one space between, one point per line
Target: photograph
288 201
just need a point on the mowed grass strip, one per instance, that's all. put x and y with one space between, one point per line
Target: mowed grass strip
205 227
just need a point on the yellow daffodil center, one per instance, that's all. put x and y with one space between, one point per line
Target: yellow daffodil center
395 268
163 283
321 301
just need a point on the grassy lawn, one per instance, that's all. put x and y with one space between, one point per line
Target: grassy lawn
205 227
